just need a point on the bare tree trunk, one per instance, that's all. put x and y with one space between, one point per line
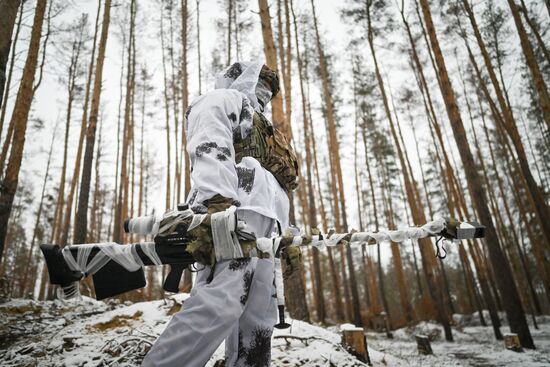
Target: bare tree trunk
144 81
199 67
271 59
175 105
184 156
229 23
93 236
20 117
28 258
300 307
185 89
8 9
71 90
427 253
122 200
6 86
514 310
509 123
287 75
531 61
509 215
499 124
167 113
82 212
63 232
523 9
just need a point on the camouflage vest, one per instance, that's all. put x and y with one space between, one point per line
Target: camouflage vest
270 147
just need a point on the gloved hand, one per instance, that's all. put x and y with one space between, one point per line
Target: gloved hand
202 243
293 260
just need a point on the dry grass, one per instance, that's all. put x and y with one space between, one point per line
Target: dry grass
116 322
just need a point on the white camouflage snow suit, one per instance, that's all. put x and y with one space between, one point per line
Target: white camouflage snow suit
239 302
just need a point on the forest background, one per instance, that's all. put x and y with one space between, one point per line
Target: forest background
401 111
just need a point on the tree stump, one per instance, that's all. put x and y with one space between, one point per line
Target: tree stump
423 344
389 334
355 342
511 342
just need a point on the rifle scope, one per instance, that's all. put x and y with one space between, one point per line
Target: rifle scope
146 225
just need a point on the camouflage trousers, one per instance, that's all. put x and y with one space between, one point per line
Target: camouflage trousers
239 305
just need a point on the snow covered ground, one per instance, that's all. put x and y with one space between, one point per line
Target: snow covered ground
93 333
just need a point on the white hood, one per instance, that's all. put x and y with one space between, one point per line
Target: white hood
242 76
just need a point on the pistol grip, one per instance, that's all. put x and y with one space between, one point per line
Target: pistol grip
172 281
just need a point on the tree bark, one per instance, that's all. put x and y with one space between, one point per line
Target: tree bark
20 118
319 299
8 9
122 200
6 88
271 60
82 212
63 231
185 90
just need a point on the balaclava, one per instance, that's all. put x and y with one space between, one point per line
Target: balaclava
267 87
258 82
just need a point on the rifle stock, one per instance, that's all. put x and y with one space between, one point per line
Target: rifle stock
112 278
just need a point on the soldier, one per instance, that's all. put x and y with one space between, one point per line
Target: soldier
239 164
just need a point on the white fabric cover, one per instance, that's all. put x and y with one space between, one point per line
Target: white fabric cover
212 121
226 244
237 305
125 255
245 82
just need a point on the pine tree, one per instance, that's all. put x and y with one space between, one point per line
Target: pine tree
20 117
514 310
81 222
9 10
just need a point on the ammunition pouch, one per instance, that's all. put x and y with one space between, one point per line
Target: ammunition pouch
269 147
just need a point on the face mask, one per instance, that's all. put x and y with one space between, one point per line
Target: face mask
263 95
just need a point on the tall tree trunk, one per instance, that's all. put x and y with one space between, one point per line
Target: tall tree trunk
82 212
509 123
333 139
534 30
514 310
287 76
419 217
199 65
28 258
20 118
271 59
185 89
93 236
71 90
175 105
507 209
166 113
121 208
63 230
8 9
6 87
230 4
499 124
184 156
308 138
532 64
